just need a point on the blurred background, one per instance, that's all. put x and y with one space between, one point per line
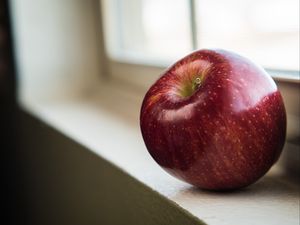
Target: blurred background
53 51
153 30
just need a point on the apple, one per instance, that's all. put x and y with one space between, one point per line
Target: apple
215 120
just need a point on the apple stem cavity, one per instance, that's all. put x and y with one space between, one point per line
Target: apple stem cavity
190 88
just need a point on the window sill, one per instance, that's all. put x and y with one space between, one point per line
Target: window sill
106 122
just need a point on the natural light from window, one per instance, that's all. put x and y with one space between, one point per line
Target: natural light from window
266 31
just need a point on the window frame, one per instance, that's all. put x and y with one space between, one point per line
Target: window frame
129 69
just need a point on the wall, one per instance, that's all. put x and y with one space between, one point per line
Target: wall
58 46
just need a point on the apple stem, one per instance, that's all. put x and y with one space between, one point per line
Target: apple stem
196 84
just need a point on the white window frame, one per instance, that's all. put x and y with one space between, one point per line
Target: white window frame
143 72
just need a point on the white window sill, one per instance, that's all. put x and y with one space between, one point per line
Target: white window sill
106 122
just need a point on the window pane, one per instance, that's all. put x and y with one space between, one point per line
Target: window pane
150 29
266 31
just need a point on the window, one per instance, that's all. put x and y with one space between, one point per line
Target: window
160 32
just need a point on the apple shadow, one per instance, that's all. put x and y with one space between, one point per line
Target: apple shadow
274 198
271 185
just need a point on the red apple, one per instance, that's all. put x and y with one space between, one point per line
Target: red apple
215 120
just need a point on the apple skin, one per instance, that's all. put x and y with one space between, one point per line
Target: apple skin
224 134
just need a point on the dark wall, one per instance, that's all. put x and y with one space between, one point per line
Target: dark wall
11 196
